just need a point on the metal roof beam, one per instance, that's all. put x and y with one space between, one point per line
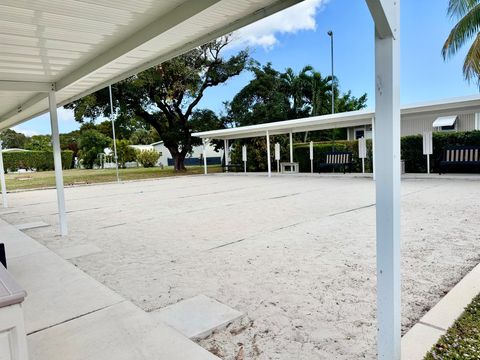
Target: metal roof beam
384 15
246 20
166 22
30 102
26 86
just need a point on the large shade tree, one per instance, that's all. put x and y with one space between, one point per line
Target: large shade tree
11 139
165 96
467 15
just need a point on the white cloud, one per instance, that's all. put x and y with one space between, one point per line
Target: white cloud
26 132
292 20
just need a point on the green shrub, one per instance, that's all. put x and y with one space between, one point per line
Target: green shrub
125 152
148 158
257 152
412 148
320 149
38 160
411 151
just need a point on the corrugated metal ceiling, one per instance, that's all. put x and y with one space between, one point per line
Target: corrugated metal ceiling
83 45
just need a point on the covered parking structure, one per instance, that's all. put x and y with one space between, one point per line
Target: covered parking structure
415 119
56 52
313 123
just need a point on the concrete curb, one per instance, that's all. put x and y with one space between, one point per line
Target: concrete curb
426 332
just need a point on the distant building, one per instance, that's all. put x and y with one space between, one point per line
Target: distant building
457 114
194 158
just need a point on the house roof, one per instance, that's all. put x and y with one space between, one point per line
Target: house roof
76 47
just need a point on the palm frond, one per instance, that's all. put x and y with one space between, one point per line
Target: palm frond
458 8
471 66
466 28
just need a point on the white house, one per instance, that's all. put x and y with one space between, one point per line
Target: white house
194 158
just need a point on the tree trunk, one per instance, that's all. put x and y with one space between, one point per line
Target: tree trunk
178 158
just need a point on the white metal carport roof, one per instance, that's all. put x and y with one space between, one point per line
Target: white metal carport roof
341 120
70 48
312 123
76 47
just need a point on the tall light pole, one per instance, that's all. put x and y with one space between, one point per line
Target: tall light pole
113 131
330 33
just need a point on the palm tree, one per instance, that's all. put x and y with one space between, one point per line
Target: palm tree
295 85
467 12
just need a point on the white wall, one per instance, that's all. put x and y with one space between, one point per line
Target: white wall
197 152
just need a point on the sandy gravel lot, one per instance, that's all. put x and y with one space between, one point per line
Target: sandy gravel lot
295 254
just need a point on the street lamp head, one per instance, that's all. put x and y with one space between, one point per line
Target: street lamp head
330 33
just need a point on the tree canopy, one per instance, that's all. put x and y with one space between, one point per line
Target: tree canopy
165 96
273 95
12 139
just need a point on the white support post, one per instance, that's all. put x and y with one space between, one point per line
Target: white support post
277 156
427 147
373 148
115 154
386 15
226 153
2 179
291 147
362 151
244 158
205 156
57 159
311 157
269 161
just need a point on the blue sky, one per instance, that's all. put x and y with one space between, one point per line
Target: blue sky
298 37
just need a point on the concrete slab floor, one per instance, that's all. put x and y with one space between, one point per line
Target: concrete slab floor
296 255
31 225
197 317
69 315
120 332
71 252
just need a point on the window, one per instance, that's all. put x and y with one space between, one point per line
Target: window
448 127
359 133
477 121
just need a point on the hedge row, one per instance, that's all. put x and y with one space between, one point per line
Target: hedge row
38 160
411 150
301 154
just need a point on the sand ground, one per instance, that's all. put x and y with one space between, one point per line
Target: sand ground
295 254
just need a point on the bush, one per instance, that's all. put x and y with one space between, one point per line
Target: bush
302 154
35 160
125 152
412 148
411 151
257 152
148 158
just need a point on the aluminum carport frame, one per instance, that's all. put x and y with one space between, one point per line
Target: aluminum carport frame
313 123
54 54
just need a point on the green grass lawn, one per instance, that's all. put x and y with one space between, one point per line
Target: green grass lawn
45 179
462 340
